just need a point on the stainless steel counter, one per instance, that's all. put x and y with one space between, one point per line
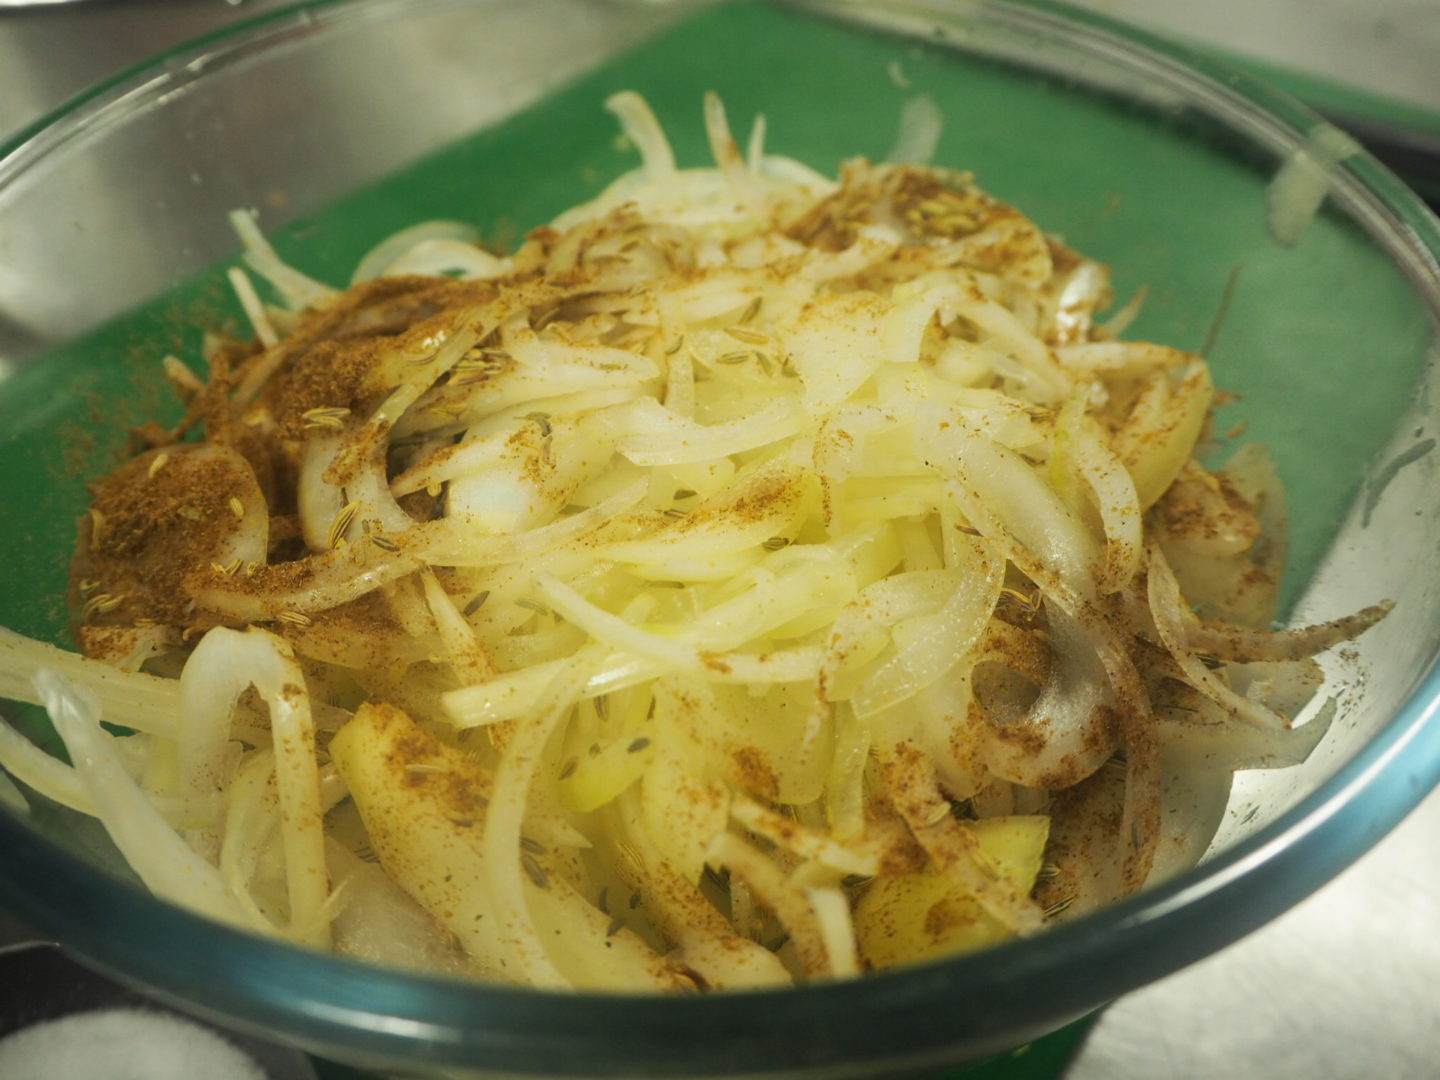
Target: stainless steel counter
1342 986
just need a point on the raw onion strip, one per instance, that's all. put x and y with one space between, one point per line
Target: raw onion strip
300 292
504 819
788 665
1065 734
790 903
1168 609
223 665
1241 645
640 126
132 699
162 859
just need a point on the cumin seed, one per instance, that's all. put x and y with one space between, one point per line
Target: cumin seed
534 871
1057 907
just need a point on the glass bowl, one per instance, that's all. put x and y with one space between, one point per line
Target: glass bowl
344 121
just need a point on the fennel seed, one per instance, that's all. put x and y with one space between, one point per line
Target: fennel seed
332 417
629 856
534 871
746 336
102 604
985 864
341 524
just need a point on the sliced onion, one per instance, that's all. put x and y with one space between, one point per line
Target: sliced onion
809 844
952 847
1009 502
639 124
921 123
743 184
787 665
132 699
660 437
167 865
223 665
1067 733
789 902
1160 433
930 645
1225 641
300 291
504 819
1118 504
1170 615
388 256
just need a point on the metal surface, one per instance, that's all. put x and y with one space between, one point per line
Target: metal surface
49 53
1340 987
40 983
1386 46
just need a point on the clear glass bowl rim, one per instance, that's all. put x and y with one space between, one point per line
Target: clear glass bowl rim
969 1005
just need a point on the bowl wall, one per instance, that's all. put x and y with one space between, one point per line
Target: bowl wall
343 122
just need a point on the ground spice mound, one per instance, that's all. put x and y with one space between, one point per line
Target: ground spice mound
154 521
336 357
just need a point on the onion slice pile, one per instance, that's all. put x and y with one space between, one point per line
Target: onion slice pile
755 577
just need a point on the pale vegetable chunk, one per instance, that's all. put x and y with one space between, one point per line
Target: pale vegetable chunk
923 915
